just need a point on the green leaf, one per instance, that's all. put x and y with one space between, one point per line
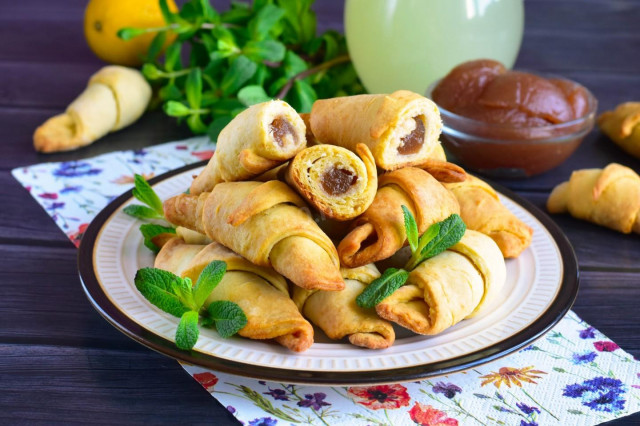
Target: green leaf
303 96
176 109
208 279
170 92
151 72
156 46
381 288
240 71
187 332
411 229
264 50
127 34
228 317
156 285
293 64
141 212
331 45
217 125
150 231
451 231
193 88
196 125
431 232
169 17
143 192
172 57
251 95
266 18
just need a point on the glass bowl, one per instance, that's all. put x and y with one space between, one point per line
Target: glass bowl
511 151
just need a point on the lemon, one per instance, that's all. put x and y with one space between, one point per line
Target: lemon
103 19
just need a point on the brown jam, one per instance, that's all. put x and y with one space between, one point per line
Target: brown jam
281 128
412 143
338 181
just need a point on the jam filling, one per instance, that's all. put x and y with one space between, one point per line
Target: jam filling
411 143
281 128
337 181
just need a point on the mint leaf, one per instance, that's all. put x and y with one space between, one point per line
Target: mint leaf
169 17
176 109
187 332
265 19
303 96
216 127
411 228
207 281
156 46
381 288
143 192
156 285
150 231
193 88
184 290
251 95
265 50
141 212
228 317
240 71
451 231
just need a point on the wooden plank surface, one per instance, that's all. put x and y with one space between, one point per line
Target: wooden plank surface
60 362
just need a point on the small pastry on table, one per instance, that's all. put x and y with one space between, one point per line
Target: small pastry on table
622 125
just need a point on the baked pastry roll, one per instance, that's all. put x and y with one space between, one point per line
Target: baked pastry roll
114 98
379 232
338 315
445 289
401 129
256 140
262 294
609 197
622 125
334 180
265 223
481 210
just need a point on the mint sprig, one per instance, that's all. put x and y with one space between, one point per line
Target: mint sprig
150 231
179 297
436 239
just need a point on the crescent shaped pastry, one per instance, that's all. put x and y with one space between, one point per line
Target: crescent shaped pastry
256 140
622 125
114 98
265 223
338 315
334 180
608 197
481 210
401 129
261 293
445 289
379 232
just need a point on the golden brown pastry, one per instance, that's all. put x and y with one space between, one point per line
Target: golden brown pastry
264 223
401 129
256 140
262 294
481 210
115 97
379 232
609 197
334 180
338 315
622 125
445 289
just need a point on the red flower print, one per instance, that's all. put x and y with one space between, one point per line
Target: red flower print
76 237
206 379
426 415
48 195
203 155
604 346
380 397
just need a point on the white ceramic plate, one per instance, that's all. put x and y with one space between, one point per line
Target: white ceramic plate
541 286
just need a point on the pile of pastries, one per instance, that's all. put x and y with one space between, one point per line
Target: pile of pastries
307 210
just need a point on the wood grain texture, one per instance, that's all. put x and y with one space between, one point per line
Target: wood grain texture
61 363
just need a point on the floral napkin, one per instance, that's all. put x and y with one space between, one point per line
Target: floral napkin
574 375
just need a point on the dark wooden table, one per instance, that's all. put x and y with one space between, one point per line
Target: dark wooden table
60 362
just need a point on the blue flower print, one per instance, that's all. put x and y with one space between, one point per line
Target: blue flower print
526 409
76 169
525 423
264 421
449 389
587 333
71 188
599 394
315 401
583 358
277 394
231 409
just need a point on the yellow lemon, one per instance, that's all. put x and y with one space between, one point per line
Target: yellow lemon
103 19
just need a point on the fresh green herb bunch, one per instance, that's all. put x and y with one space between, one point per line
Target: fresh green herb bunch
246 55
436 239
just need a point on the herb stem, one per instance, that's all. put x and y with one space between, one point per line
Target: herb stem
306 73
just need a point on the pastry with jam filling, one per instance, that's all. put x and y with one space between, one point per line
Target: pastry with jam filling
260 138
334 180
400 129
